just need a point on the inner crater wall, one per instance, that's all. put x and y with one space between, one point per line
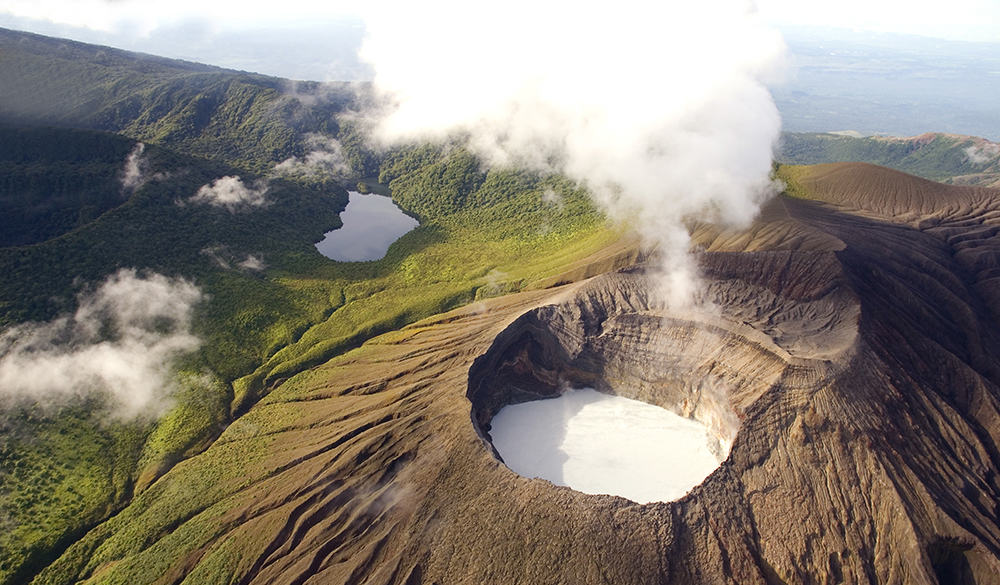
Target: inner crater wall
612 336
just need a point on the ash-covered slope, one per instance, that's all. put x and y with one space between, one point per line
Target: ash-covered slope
853 346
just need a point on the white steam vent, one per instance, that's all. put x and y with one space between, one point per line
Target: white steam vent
659 108
602 444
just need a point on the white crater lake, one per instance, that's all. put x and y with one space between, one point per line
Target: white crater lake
601 444
371 224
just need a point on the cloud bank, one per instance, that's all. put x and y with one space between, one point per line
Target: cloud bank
660 109
120 343
232 194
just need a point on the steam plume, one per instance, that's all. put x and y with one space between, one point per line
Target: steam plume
120 342
658 108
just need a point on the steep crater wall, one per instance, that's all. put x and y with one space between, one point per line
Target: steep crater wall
708 364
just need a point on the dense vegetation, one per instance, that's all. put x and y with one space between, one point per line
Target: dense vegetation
67 469
54 181
64 472
248 120
258 328
939 157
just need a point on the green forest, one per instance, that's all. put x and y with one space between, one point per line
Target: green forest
69 223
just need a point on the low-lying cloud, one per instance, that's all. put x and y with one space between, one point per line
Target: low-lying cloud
120 343
224 257
231 194
253 263
325 159
133 175
659 109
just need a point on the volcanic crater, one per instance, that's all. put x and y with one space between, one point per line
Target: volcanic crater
709 362
848 354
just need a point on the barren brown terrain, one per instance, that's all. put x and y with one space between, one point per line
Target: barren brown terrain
851 338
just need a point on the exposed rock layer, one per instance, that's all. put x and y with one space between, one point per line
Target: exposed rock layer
854 352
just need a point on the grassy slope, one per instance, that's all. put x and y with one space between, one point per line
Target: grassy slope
61 192
790 176
482 234
67 472
60 473
427 272
499 238
63 472
939 157
445 263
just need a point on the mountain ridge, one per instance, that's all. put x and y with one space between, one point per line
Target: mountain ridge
949 158
249 120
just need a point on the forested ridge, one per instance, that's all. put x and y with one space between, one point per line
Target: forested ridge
72 115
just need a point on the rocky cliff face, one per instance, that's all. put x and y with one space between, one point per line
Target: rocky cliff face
849 357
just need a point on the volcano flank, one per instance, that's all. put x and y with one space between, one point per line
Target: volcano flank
850 357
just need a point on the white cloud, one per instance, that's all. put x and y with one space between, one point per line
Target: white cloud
325 159
120 342
224 258
231 193
252 262
133 175
659 108
136 173
219 255
550 197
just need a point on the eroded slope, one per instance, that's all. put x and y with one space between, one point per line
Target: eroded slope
853 345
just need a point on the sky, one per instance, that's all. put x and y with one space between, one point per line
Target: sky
957 20
977 20
316 40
